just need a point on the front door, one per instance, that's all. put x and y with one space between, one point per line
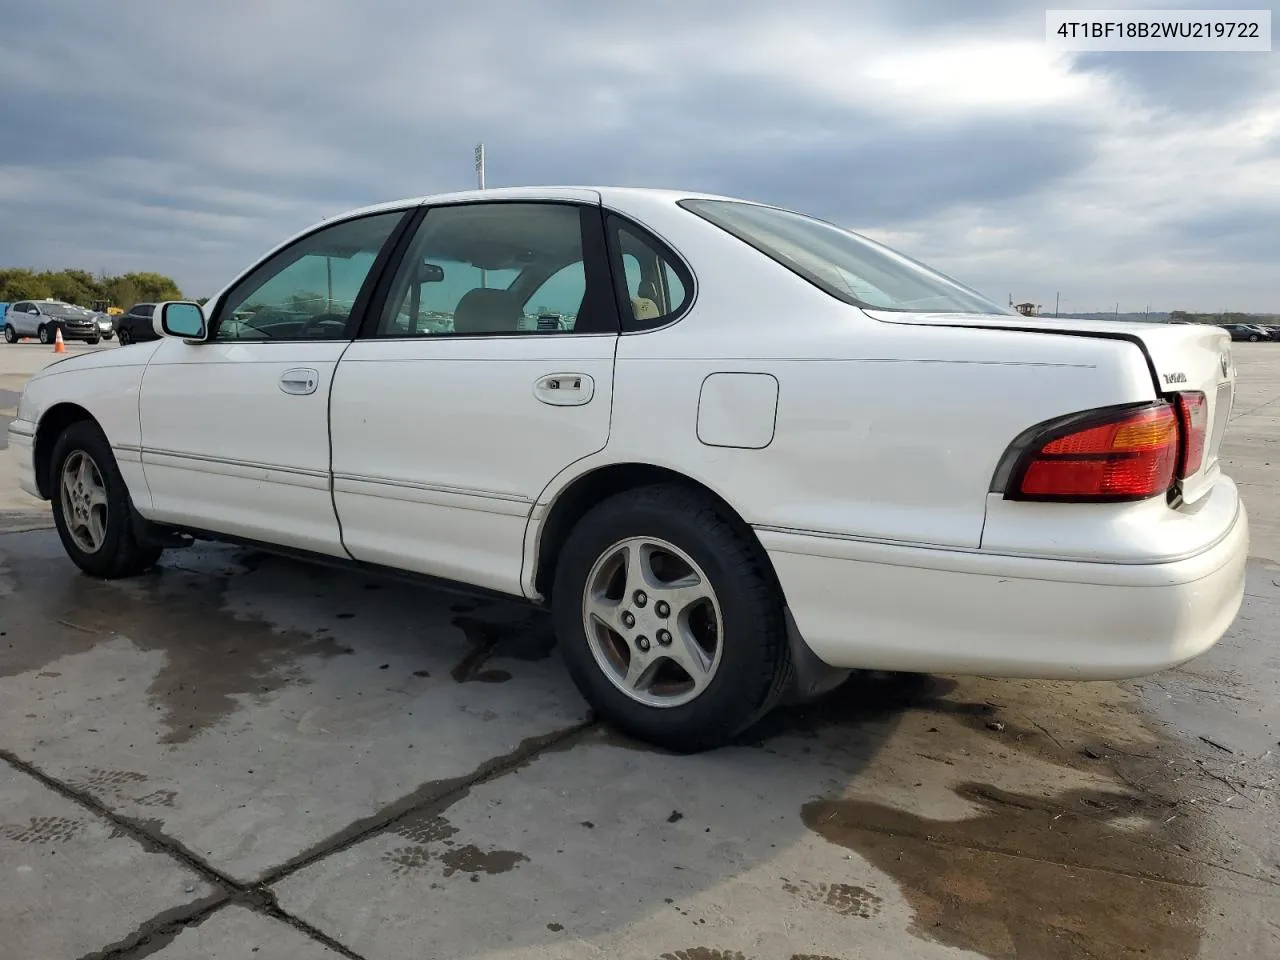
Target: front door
235 431
488 370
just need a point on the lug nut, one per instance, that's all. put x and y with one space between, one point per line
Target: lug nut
664 638
641 598
643 644
663 608
628 619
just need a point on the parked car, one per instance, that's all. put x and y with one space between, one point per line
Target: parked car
1245 331
752 446
134 326
43 319
106 324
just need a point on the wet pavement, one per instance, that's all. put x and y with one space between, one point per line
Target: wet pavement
238 755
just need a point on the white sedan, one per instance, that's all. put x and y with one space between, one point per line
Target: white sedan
736 451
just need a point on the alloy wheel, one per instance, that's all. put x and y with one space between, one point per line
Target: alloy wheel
653 621
84 501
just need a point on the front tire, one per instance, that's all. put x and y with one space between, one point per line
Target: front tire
91 506
125 338
670 620
44 335
94 342
10 334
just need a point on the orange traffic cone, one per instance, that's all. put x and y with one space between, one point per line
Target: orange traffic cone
58 345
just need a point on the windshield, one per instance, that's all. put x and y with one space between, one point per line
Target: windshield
847 266
63 311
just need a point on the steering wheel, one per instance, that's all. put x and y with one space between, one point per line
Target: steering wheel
325 324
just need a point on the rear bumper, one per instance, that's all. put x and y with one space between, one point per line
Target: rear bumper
21 437
876 606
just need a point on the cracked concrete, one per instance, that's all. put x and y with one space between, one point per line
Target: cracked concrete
244 756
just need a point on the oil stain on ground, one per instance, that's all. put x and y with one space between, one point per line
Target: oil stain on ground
1055 879
528 637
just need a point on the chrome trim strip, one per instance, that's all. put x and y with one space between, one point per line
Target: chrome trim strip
230 462
23 431
433 488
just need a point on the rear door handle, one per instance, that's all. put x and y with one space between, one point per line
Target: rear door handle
565 389
300 381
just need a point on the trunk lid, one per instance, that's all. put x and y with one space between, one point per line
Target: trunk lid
1181 357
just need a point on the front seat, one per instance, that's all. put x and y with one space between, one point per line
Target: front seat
487 310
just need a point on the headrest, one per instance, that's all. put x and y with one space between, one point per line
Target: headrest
487 310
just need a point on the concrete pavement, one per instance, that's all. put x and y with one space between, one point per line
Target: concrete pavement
239 755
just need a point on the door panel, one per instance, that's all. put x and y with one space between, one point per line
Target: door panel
227 448
235 431
446 426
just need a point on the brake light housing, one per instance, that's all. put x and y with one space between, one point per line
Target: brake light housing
1193 415
1104 456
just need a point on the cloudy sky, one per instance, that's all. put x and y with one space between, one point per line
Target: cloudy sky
189 137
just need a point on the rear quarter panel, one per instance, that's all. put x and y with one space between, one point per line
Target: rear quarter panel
883 431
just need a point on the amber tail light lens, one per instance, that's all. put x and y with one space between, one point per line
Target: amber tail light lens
1126 454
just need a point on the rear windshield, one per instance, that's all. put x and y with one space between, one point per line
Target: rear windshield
847 266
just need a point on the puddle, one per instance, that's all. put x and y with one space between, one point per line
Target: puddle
1078 875
212 657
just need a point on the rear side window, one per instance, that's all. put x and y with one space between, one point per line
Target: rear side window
654 285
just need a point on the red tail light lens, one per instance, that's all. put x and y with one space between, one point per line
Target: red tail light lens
1193 411
1129 455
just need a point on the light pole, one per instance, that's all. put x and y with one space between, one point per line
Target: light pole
484 280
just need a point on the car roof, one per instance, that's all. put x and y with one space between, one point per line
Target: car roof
619 196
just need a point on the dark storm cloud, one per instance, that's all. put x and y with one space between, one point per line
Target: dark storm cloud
1189 83
1245 234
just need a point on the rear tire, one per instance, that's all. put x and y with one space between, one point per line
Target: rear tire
734 637
91 506
10 334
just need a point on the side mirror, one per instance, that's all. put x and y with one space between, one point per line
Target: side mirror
430 273
179 318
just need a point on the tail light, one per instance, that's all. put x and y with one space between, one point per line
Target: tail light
1193 412
1121 454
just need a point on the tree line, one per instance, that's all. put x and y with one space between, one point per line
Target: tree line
84 288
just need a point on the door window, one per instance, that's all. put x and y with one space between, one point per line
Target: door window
308 290
501 268
656 285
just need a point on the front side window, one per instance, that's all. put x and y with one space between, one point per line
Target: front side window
308 290
846 266
499 268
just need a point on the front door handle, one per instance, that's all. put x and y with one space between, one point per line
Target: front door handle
300 380
565 389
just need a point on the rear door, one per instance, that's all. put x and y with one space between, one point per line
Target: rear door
486 372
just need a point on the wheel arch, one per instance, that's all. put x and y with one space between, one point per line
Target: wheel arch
52 424
584 491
